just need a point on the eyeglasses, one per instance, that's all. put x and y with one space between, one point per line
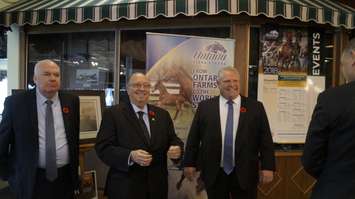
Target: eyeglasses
137 86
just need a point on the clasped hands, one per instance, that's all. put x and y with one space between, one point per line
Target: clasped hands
144 158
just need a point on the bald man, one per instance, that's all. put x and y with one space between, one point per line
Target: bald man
135 139
39 138
329 151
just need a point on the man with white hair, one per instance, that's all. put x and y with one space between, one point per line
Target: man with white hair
135 140
329 151
39 138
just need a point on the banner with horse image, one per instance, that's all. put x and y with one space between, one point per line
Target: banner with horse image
290 79
183 71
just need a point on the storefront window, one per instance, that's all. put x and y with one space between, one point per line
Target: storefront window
3 69
86 59
133 49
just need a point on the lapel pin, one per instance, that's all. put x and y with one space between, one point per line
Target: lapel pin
243 109
151 115
65 109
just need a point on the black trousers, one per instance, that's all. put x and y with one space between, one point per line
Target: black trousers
227 187
60 188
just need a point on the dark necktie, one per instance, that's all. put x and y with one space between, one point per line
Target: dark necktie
143 126
51 156
228 163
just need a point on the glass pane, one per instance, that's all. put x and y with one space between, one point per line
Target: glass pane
133 49
3 69
86 59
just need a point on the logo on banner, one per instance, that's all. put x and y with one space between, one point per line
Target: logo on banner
211 54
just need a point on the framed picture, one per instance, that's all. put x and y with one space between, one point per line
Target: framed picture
91 107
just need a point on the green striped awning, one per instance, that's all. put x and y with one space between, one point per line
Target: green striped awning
36 12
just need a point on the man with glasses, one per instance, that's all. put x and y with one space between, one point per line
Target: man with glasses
135 139
329 151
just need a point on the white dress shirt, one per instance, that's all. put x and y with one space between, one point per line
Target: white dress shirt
145 115
223 111
61 141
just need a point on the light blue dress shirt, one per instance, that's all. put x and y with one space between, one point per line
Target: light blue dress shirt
61 141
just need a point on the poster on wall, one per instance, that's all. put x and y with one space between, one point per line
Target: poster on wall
87 78
288 81
183 71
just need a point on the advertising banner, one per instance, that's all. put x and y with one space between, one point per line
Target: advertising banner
183 71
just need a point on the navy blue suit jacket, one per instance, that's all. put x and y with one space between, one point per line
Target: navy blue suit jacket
19 140
329 151
253 144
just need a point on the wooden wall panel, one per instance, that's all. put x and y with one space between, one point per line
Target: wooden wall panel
291 181
241 34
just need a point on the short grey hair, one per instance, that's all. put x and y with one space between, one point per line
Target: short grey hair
225 69
41 63
347 61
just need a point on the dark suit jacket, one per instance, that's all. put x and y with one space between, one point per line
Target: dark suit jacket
119 134
19 140
253 142
329 151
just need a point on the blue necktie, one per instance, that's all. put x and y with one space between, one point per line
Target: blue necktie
51 156
228 163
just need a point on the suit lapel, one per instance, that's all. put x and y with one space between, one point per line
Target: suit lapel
242 117
153 125
216 113
66 105
33 117
131 115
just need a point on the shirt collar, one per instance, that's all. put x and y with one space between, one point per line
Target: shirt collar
42 99
224 100
136 108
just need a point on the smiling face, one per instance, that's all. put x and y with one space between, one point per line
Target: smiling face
47 78
138 89
228 84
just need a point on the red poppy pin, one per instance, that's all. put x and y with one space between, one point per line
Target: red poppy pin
65 109
243 109
151 115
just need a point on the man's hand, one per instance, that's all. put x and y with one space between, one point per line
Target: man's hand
141 157
174 152
190 173
266 176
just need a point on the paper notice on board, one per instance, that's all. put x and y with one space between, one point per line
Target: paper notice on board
289 109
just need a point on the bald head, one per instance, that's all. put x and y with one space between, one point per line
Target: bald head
43 63
135 76
47 77
348 61
138 89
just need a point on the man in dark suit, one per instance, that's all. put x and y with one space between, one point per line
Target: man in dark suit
229 138
134 140
329 151
39 138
